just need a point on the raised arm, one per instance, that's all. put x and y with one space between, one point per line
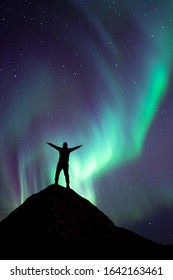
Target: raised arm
54 146
74 148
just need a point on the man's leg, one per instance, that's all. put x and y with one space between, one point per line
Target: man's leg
58 170
66 176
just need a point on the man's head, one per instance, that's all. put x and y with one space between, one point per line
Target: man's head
65 145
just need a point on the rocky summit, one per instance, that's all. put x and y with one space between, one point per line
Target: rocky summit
57 223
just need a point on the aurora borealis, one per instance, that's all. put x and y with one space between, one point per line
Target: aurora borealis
96 73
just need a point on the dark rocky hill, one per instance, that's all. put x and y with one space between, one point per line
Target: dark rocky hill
57 223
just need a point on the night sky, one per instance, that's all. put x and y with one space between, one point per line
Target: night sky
96 73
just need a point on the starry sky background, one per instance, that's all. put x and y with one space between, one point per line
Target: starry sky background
97 73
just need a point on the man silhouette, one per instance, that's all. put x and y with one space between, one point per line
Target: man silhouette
64 153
